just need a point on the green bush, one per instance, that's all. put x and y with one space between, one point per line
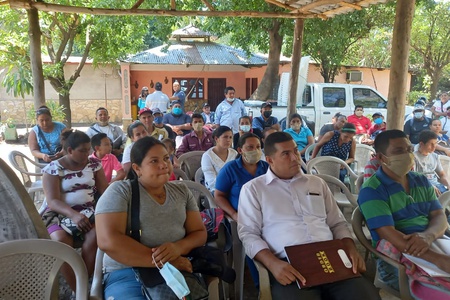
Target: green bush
56 110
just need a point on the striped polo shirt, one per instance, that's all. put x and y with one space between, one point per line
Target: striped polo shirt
384 202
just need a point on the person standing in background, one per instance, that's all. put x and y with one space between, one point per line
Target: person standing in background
142 97
178 94
158 99
230 110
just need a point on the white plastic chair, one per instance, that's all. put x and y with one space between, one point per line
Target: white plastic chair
30 268
358 228
309 152
190 162
341 193
179 174
363 153
19 218
200 177
20 162
331 165
445 162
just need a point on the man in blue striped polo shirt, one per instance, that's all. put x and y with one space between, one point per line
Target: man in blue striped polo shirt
400 206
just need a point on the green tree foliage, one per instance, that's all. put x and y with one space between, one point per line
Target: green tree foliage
430 38
104 39
329 41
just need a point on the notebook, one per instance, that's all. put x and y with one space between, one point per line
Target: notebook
321 262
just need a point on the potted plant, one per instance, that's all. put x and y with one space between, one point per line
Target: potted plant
10 130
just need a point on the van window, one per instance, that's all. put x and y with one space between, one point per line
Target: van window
334 97
306 96
368 98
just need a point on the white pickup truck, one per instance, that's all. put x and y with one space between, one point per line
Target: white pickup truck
317 103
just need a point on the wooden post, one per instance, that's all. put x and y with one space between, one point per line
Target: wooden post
34 33
295 65
399 63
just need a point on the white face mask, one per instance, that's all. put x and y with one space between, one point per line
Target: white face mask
252 157
197 126
174 279
400 164
245 128
359 113
230 99
418 115
295 126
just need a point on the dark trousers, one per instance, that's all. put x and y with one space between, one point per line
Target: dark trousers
350 289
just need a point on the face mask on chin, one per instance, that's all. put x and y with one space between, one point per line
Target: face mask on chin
359 113
400 164
230 99
105 123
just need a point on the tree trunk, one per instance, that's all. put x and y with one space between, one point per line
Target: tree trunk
399 63
295 65
264 89
435 76
64 99
34 33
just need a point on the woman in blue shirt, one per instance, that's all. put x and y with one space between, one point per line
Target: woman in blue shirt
234 175
238 172
302 135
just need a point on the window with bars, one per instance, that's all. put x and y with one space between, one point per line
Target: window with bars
192 87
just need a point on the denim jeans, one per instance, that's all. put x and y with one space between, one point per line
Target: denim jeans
388 274
122 284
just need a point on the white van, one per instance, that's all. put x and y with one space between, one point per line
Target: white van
317 103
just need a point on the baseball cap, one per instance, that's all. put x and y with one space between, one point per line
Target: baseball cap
418 107
377 114
205 105
175 102
145 110
157 111
266 104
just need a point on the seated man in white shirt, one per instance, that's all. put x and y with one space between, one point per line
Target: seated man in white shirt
286 207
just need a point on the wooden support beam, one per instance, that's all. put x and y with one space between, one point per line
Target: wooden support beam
208 5
173 5
50 7
398 78
137 4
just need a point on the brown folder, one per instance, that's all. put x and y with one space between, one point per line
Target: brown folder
321 262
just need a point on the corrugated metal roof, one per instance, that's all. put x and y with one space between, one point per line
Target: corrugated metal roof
325 8
196 53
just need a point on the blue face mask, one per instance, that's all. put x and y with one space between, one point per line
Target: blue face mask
158 120
174 279
378 121
177 111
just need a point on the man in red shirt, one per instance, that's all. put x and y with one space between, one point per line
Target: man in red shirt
361 122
